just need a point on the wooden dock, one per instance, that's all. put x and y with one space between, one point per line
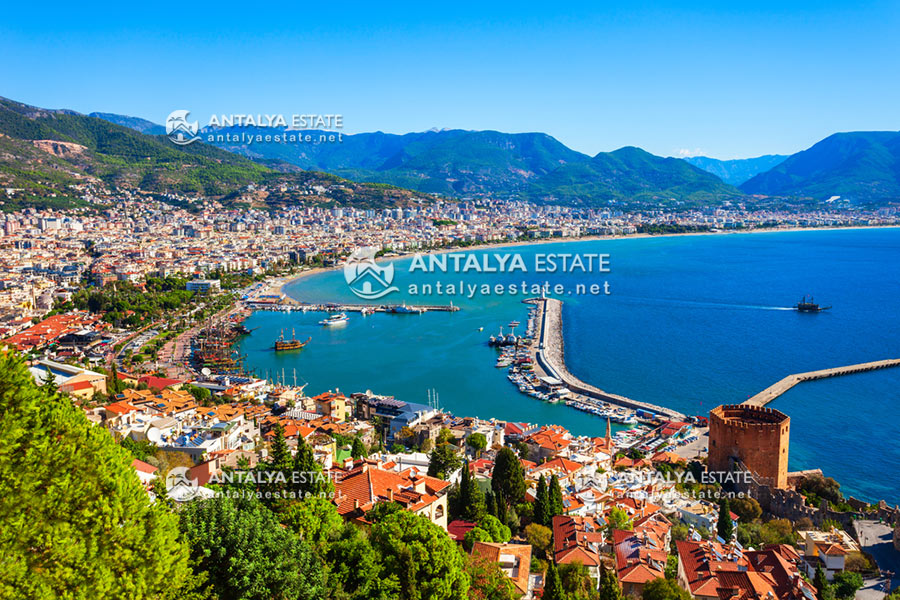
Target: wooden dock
780 387
549 357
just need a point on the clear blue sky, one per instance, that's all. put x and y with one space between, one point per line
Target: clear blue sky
727 79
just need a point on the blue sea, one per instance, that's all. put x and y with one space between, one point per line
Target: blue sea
690 322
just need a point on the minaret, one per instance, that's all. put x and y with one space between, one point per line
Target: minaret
608 432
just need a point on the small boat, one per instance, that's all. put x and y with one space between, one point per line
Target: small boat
481 329
338 319
367 310
403 309
282 344
807 304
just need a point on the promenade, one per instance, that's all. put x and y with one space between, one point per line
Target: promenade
550 358
780 387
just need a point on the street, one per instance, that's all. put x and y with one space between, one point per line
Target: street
876 539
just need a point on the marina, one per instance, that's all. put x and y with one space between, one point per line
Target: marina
284 304
535 375
549 359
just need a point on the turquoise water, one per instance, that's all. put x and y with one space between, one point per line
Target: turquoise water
691 322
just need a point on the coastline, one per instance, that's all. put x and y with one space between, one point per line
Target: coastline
277 286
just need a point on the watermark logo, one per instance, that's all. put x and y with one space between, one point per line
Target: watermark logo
179 487
366 278
179 130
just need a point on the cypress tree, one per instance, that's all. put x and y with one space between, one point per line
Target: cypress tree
471 498
609 584
554 493
541 504
725 526
553 587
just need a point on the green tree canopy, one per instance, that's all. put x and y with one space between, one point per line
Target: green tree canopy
471 503
247 553
508 479
477 442
314 519
358 450
444 461
618 519
75 521
555 500
499 532
664 589
542 503
421 556
553 587
476 534
354 570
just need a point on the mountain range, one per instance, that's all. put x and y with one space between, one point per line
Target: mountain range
46 151
529 166
862 166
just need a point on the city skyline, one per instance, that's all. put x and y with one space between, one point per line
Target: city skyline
733 82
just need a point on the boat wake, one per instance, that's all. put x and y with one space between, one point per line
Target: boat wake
702 304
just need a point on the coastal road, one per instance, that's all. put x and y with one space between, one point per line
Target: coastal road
876 539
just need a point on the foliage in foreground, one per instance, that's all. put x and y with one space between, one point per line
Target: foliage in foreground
75 521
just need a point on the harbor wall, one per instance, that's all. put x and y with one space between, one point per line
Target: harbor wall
550 358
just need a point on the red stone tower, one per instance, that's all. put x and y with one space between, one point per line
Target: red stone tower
757 436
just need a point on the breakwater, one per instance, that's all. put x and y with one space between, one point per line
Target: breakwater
783 385
550 358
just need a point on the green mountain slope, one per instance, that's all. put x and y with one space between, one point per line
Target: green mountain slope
860 166
46 152
533 166
631 175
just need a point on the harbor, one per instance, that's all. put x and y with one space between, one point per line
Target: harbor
285 304
536 366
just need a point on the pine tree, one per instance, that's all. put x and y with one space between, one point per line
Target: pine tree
554 493
279 453
74 518
541 504
553 587
725 526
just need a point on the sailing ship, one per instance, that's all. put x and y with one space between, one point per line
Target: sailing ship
807 304
282 344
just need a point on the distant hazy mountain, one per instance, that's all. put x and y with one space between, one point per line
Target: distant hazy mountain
136 123
861 166
736 172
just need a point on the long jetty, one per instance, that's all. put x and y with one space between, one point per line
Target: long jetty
780 387
348 307
549 357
